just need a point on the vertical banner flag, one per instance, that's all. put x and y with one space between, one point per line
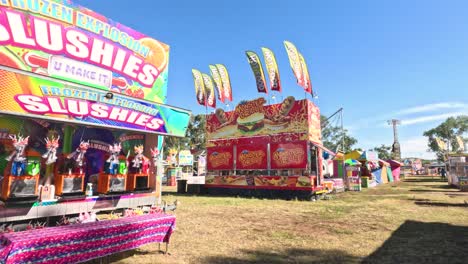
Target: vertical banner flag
272 69
294 61
199 87
218 82
461 143
305 75
226 81
440 144
257 69
210 92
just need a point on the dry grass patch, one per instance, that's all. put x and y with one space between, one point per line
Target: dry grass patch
418 220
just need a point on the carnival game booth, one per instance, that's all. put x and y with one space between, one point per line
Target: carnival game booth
332 182
82 114
338 165
385 168
353 174
265 150
458 170
371 172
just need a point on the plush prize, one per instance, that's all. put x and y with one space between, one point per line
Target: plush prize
19 160
113 160
79 153
140 161
51 155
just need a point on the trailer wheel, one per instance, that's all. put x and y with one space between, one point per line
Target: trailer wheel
313 198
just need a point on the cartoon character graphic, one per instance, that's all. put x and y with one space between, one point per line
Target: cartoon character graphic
140 162
79 153
51 154
172 157
113 160
19 160
155 155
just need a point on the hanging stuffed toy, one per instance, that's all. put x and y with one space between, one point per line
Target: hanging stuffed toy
78 154
113 160
51 145
155 155
140 161
156 159
19 160
172 158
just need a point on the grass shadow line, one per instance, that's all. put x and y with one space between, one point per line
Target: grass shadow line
419 242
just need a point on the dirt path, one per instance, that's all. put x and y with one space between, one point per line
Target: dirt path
419 220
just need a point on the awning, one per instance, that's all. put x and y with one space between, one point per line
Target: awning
318 145
383 162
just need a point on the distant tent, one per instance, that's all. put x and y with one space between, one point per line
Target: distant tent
389 174
355 154
395 165
384 166
377 174
338 165
369 155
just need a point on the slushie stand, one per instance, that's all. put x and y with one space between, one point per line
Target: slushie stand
82 112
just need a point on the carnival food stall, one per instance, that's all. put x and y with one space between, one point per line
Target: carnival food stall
82 115
458 170
266 150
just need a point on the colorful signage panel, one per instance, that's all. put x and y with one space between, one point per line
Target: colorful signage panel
295 62
254 118
251 157
218 82
305 75
288 155
200 92
272 69
38 97
220 158
315 129
185 158
70 42
226 81
260 182
209 90
257 69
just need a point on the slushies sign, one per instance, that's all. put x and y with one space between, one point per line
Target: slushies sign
75 44
35 97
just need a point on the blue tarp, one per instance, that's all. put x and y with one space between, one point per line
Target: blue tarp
377 174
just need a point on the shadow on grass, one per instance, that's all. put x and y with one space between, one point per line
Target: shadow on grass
247 193
291 255
429 190
418 242
457 194
425 180
439 204
125 255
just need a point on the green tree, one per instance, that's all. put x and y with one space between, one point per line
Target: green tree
332 137
447 131
194 137
196 133
383 151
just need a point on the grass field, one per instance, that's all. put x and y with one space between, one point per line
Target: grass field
419 220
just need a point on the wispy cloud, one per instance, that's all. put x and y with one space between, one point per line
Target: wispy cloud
430 118
431 107
409 116
416 147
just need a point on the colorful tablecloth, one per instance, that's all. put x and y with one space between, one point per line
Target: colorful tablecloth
82 242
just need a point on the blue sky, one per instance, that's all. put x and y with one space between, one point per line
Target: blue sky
376 59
